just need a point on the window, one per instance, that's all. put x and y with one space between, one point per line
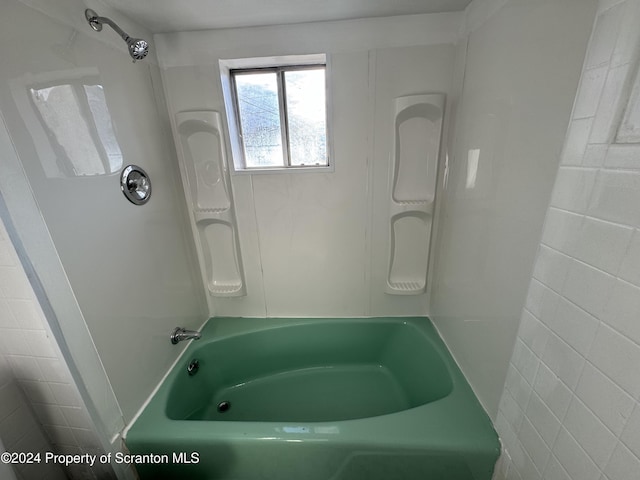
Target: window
277 113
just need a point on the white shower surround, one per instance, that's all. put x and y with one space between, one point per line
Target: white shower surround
371 56
317 243
511 118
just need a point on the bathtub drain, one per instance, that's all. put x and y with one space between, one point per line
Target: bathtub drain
224 406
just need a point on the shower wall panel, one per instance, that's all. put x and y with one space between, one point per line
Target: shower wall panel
130 268
411 85
318 243
520 75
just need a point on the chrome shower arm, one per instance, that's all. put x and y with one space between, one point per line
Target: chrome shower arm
112 24
138 48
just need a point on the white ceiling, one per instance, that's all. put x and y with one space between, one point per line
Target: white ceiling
180 15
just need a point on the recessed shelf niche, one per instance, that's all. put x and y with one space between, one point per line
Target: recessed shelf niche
414 163
204 160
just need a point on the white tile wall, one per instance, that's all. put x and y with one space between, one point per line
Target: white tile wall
570 408
40 407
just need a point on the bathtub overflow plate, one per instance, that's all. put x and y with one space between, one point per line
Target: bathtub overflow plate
193 367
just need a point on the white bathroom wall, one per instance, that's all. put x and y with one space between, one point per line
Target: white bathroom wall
570 409
316 244
19 429
38 375
130 268
41 409
520 63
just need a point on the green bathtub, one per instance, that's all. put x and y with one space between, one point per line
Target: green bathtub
315 399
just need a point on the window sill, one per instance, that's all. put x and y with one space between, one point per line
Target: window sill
282 170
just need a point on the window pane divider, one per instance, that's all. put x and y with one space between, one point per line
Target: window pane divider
284 119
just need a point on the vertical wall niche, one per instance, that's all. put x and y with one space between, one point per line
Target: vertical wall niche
414 164
205 171
204 160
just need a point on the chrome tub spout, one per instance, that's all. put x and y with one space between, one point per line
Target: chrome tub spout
179 334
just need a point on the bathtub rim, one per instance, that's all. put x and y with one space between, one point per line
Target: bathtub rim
428 338
469 429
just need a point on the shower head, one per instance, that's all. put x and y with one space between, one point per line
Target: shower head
138 48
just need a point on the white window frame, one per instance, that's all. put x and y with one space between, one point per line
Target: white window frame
227 66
